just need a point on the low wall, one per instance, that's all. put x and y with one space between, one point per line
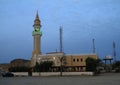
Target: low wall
54 73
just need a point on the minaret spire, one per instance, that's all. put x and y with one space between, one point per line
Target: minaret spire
37 20
37 16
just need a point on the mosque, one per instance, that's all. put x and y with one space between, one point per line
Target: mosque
71 62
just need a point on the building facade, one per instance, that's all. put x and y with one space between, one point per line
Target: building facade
70 62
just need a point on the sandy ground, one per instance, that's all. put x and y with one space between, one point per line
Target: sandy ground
103 79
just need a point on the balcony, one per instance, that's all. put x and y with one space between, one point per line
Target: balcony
37 33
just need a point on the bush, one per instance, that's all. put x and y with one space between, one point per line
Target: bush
43 66
19 69
91 64
116 65
117 70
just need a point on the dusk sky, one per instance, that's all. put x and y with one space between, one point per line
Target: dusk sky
81 20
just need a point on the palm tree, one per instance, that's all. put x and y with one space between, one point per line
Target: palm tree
62 62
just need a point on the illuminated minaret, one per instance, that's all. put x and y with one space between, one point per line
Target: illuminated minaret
37 40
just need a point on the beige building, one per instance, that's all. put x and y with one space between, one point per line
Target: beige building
70 62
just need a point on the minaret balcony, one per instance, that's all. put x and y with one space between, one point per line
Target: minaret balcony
36 33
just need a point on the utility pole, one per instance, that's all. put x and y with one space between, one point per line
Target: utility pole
93 45
61 50
61 47
114 51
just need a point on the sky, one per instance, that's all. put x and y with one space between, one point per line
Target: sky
81 21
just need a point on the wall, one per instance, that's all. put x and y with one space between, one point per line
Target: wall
54 73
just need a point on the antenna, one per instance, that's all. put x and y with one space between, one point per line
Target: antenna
61 48
93 45
114 51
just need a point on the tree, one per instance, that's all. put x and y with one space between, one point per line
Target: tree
44 66
91 64
62 62
37 67
116 66
19 69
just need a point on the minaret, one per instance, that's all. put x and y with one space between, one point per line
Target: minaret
37 40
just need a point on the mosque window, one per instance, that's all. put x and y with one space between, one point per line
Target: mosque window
81 59
73 60
81 68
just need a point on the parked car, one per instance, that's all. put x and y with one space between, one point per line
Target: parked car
1 73
8 74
